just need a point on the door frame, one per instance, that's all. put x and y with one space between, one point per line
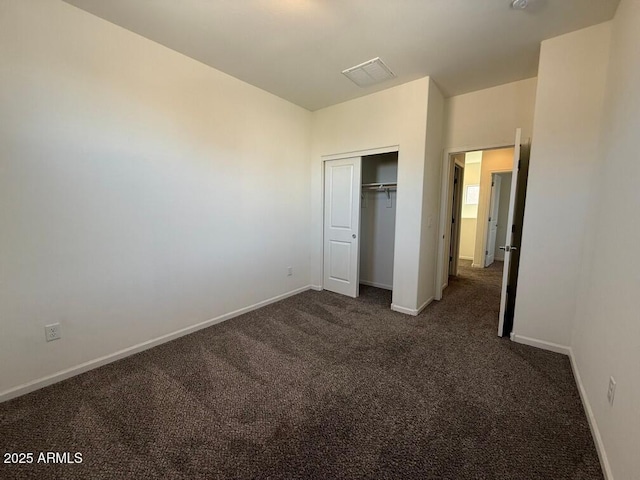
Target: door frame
445 206
453 262
341 156
493 197
485 242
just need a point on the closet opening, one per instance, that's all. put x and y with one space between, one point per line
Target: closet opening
360 195
378 223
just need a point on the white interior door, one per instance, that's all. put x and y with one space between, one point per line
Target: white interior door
492 231
507 246
342 186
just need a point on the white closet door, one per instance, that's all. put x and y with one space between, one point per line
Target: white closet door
342 225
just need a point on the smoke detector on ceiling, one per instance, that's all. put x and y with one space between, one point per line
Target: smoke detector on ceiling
519 4
369 73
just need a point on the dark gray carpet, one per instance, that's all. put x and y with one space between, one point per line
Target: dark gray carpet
320 386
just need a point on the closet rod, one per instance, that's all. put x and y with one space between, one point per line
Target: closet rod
380 186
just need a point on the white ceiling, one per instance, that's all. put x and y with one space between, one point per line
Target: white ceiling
296 49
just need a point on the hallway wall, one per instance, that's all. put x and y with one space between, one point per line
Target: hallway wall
469 215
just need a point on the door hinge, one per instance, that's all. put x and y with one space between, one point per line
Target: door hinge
513 229
486 252
453 219
519 164
493 183
451 259
489 218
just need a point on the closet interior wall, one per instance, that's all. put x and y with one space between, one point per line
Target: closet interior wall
378 220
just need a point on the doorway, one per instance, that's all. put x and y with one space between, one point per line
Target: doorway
456 207
359 223
498 217
488 233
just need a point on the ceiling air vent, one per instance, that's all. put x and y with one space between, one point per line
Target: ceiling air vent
369 73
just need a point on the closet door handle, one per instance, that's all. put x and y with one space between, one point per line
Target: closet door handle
353 235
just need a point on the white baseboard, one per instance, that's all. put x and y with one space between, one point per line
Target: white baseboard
463 257
377 285
534 342
405 310
112 357
411 311
317 288
477 265
593 425
425 304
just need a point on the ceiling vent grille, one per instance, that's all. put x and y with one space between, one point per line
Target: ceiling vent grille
369 73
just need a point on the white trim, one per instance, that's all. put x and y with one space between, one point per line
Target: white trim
317 288
411 311
377 285
425 304
593 425
464 257
534 342
361 153
444 208
405 310
112 357
477 265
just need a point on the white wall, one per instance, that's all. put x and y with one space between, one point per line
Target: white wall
468 227
471 177
606 335
503 214
141 191
489 118
396 116
432 176
469 211
569 102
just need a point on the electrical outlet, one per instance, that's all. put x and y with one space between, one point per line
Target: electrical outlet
52 332
289 271
612 390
